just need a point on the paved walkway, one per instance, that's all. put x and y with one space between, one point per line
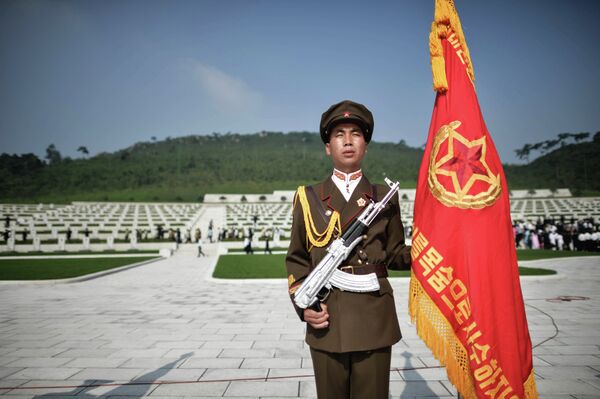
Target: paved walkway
169 321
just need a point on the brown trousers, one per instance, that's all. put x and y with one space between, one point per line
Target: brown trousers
352 375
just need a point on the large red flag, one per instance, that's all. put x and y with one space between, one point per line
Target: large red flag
465 294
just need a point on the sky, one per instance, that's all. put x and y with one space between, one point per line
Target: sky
106 74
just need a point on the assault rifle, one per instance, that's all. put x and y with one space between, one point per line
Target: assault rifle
326 274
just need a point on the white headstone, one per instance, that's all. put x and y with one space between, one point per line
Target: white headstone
54 232
61 242
11 243
86 243
37 243
110 242
133 240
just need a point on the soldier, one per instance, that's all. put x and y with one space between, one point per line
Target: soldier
350 339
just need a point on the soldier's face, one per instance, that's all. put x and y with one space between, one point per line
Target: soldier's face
347 147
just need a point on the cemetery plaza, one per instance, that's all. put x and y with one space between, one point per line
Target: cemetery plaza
100 226
168 329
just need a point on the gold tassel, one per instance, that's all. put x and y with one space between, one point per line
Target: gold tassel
313 237
445 20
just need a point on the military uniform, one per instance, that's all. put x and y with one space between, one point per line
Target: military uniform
351 356
358 321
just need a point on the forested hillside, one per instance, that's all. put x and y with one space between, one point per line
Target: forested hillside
576 166
186 168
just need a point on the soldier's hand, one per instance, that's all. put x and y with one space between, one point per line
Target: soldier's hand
316 319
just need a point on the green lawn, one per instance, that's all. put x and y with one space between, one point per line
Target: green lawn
273 266
523 271
533 254
62 253
251 266
257 250
46 269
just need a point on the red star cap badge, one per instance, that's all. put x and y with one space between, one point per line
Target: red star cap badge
346 114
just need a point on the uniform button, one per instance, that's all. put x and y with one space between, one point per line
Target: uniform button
360 262
364 237
360 251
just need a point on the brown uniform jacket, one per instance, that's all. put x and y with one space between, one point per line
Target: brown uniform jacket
357 321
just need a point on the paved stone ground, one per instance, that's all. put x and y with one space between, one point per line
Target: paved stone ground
169 321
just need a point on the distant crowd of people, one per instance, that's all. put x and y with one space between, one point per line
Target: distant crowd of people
247 234
558 234
268 235
544 233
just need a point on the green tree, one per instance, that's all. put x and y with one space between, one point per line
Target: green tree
523 153
83 150
53 155
549 144
581 136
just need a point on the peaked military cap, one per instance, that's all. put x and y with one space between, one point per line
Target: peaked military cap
349 112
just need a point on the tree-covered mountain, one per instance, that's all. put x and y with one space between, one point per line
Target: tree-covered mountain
186 168
575 166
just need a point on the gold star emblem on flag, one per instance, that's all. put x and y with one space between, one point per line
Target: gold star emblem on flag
458 171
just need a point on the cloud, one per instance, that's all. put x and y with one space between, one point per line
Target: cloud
225 91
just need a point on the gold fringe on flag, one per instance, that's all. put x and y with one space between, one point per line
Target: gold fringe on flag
530 387
446 20
437 333
312 235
